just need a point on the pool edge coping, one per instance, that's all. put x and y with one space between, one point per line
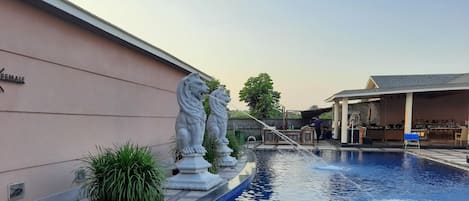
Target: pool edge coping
439 160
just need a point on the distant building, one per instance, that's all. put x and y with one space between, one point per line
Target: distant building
436 106
77 82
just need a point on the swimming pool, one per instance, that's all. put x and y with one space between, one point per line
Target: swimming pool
356 176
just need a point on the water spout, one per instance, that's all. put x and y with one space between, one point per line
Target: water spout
320 162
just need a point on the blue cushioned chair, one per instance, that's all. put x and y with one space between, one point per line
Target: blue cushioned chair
411 139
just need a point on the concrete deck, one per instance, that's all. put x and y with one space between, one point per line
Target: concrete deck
225 173
452 157
325 145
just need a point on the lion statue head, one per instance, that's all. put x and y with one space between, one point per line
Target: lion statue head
190 93
218 101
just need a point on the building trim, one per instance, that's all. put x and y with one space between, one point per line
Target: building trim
71 160
87 71
89 114
371 81
366 93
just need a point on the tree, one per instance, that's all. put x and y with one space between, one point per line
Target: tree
314 107
212 85
258 92
238 114
326 115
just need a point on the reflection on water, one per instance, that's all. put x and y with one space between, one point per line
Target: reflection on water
380 177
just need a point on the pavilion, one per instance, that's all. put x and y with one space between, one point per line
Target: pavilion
434 105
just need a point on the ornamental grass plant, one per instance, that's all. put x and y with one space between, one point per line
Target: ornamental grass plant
234 144
210 143
123 173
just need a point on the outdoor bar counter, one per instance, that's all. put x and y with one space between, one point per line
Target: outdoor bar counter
302 136
438 133
386 134
442 133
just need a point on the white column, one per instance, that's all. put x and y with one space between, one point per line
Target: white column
344 121
335 123
409 99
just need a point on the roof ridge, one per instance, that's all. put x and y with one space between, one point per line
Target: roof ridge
366 93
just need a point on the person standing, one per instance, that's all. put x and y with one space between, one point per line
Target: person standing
317 126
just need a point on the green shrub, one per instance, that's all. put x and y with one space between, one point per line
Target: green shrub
173 150
234 144
123 173
211 145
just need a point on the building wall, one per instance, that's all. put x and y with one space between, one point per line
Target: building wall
374 112
442 106
369 112
427 106
81 90
392 109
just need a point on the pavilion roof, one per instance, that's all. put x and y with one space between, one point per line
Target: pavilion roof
398 84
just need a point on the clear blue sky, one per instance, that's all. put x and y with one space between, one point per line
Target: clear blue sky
312 49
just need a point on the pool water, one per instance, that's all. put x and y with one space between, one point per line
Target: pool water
356 176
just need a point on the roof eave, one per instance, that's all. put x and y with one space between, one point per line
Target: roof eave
375 94
330 99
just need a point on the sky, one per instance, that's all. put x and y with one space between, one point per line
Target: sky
312 49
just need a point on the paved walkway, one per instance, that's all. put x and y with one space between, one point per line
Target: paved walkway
452 157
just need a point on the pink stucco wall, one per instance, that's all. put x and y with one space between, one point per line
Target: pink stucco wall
81 90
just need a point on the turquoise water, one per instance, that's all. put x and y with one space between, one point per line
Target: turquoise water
354 176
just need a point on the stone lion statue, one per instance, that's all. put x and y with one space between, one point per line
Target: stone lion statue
218 118
190 122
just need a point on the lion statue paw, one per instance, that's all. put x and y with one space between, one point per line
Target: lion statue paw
224 140
187 150
199 149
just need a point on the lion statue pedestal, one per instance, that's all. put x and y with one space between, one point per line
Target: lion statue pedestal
190 127
217 124
225 159
193 174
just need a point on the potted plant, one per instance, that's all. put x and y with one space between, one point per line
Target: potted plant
123 173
